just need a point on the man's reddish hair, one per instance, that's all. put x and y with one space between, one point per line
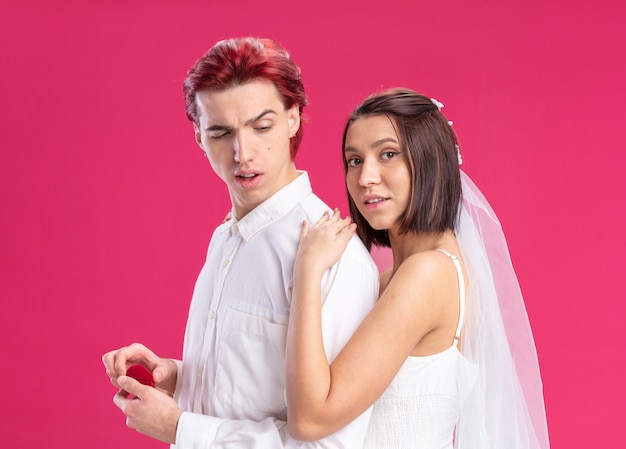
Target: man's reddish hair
233 62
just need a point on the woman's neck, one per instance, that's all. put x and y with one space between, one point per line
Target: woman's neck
405 245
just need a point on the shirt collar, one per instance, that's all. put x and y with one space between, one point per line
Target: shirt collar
274 207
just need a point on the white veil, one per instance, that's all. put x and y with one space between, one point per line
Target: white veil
503 404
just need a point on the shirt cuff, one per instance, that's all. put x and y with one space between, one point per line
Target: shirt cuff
195 431
179 377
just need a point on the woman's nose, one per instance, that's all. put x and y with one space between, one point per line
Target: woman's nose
369 173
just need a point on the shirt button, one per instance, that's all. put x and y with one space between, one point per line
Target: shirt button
225 263
212 314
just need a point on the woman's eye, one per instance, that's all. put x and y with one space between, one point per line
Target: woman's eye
264 128
353 162
389 154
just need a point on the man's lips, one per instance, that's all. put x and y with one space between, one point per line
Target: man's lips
248 179
246 174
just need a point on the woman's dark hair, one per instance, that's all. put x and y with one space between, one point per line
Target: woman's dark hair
432 156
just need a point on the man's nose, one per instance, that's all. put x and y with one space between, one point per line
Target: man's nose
242 149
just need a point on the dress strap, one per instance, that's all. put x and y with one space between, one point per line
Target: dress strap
459 271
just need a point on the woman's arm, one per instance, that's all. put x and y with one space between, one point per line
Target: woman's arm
307 366
324 397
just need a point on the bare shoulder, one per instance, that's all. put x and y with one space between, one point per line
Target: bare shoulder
426 264
427 274
384 279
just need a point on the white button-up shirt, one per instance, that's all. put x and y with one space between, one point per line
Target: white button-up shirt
231 382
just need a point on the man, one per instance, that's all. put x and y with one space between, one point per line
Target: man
245 99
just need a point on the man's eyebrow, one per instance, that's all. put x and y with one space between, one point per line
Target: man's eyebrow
218 128
260 116
247 123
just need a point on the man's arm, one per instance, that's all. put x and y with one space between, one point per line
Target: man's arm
349 290
149 410
155 414
197 431
164 371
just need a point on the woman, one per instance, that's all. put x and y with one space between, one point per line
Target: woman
433 354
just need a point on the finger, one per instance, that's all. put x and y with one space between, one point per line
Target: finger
304 230
107 360
114 382
336 215
120 359
121 399
112 362
132 386
136 353
346 234
347 221
160 372
327 218
167 370
341 225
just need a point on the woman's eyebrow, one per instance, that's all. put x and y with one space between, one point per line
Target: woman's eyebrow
380 142
374 144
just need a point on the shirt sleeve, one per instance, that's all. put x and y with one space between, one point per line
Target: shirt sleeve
196 431
179 377
349 291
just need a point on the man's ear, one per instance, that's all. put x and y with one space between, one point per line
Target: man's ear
198 136
293 119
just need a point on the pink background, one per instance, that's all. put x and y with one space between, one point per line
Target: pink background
107 205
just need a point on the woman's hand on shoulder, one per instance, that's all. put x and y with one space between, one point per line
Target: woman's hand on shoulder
322 244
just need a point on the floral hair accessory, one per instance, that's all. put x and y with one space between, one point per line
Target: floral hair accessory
439 105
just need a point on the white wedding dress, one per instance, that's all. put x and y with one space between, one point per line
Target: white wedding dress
488 394
420 408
